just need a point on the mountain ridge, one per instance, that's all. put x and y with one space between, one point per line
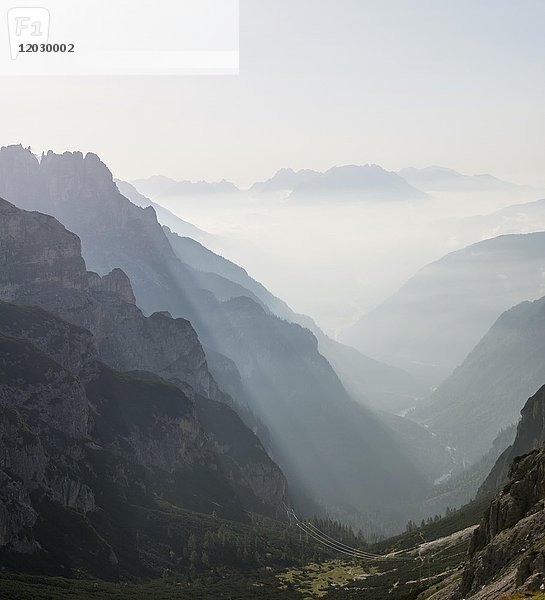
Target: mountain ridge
122 336
434 320
292 388
486 393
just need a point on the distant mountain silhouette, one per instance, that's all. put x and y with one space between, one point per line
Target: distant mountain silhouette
436 178
355 182
158 186
430 325
528 217
285 180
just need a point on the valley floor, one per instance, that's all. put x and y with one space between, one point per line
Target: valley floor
429 556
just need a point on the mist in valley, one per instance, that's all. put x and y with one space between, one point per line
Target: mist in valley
338 257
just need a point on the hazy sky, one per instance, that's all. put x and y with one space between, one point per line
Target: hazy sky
458 83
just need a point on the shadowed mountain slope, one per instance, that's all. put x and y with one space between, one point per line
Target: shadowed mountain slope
90 455
370 382
432 323
335 453
41 264
486 393
164 216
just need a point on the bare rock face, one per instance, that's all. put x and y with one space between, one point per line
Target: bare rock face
20 176
28 464
530 436
61 407
40 263
37 257
147 421
242 456
60 183
116 282
72 347
509 539
32 380
17 516
74 442
159 344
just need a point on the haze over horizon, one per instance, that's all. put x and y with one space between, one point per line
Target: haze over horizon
376 82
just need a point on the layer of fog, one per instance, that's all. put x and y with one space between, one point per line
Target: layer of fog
335 260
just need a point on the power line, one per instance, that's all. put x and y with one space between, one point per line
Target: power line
311 530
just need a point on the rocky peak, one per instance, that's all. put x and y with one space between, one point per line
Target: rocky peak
116 282
65 186
531 429
37 257
20 175
71 174
41 263
530 436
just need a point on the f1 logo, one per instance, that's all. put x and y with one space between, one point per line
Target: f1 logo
27 26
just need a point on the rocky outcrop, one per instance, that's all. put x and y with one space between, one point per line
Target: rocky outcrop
147 421
38 256
530 436
72 347
241 455
82 436
17 516
506 552
40 263
160 344
32 380
116 282
101 322
37 459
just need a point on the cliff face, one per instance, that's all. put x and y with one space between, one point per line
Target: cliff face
69 345
41 264
506 551
530 436
51 368
34 381
39 256
44 418
78 435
